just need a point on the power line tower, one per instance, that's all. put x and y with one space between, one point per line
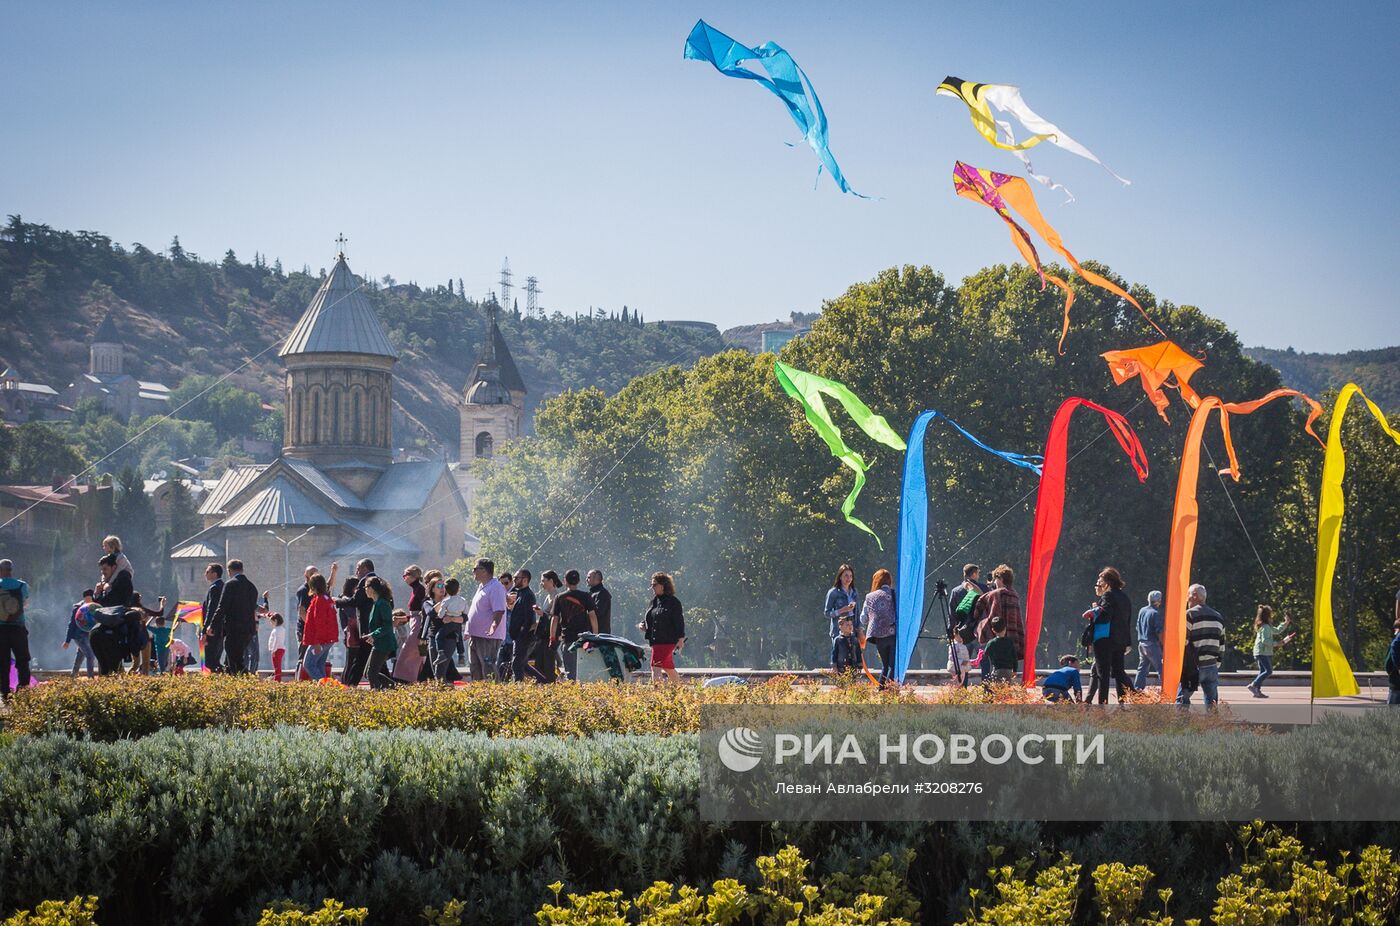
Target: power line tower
505 283
532 297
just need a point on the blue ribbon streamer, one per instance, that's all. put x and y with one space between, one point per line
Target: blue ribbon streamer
785 80
913 533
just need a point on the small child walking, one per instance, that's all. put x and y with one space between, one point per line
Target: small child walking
277 645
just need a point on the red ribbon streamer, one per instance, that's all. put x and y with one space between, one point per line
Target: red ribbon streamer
1050 509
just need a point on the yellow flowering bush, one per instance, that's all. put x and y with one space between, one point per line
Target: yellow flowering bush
125 707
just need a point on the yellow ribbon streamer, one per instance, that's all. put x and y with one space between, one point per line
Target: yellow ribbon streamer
1332 676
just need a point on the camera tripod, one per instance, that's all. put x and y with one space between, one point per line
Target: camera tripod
940 598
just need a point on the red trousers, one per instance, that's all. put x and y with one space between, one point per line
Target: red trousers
277 664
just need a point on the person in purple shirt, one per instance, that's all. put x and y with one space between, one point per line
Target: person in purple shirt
486 626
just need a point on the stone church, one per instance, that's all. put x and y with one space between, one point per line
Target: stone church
336 477
108 382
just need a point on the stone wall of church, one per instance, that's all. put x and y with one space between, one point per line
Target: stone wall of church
335 409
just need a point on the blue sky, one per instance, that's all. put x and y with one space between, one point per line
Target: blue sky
1260 139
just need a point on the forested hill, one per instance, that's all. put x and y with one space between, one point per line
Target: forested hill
181 315
1377 372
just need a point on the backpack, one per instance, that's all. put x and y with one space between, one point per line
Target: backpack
964 624
11 605
109 618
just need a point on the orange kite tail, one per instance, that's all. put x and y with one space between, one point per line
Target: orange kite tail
1018 194
1186 516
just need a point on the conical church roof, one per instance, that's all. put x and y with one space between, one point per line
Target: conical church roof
495 356
339 320
106 332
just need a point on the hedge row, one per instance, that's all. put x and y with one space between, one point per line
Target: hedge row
132 706
213 826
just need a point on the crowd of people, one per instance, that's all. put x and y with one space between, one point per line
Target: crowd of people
502 628
497 629
985 631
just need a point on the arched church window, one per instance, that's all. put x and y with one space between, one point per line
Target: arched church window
485 444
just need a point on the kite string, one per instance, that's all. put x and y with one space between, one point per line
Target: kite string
1238 517
1014 505
153 422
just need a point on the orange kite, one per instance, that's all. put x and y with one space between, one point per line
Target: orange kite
1186 515
1156 364
1003 192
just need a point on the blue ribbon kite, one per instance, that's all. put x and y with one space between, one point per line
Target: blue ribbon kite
913 534
785 80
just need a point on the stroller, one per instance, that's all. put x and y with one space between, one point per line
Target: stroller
622 658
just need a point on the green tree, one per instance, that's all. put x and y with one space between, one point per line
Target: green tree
184 515
231 410
134 520
37 453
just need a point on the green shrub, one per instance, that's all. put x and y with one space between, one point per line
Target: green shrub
215 826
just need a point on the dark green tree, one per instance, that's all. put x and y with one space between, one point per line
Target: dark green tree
36 453
184 515
134 520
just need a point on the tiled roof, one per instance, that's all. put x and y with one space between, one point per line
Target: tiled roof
328 487
339 320
196 550
42 494
405 486
278 503
234 481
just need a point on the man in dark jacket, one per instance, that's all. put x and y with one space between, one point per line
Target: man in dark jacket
356 658
520 624
602 600
213 635
237 616
109 640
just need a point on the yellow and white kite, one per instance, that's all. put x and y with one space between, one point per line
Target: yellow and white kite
980 98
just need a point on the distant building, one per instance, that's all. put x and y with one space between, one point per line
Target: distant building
108 382
705 327
42 519
492 410
335 473
22 402
774 340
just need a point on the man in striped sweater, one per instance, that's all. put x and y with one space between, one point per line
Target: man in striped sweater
1205 634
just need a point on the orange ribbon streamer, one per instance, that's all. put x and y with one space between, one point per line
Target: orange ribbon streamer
1186 516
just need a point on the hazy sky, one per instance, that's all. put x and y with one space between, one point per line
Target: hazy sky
572 137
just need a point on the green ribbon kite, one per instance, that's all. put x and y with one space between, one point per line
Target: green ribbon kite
808 389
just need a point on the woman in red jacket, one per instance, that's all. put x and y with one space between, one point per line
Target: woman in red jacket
322 627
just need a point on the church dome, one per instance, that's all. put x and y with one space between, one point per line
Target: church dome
486 388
